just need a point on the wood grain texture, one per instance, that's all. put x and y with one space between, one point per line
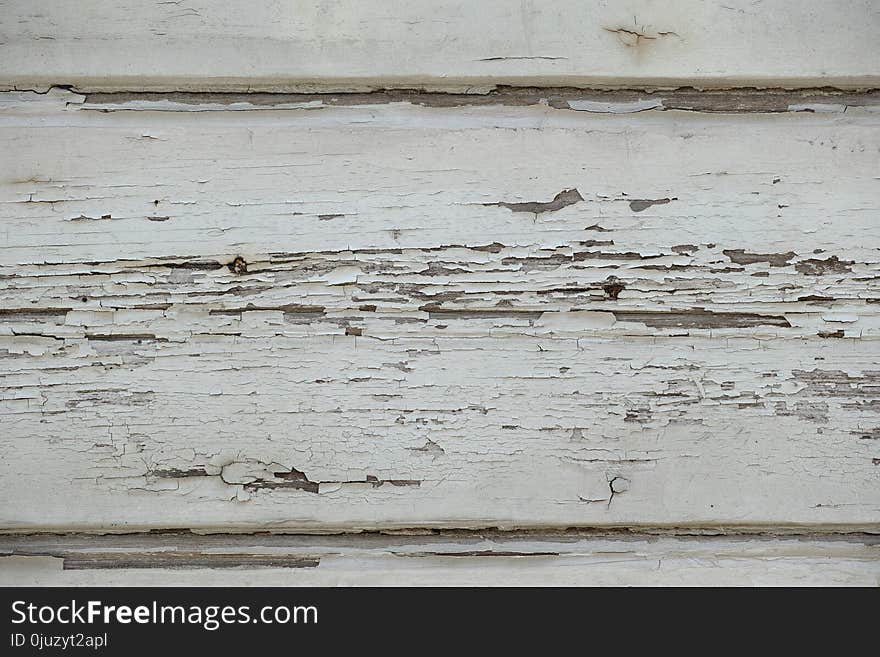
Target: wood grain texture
346 44
372 315
449 559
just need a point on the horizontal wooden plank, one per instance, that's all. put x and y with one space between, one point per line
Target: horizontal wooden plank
392 315
541 559
346 44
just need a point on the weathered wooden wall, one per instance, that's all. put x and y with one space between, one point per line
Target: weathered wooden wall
501 298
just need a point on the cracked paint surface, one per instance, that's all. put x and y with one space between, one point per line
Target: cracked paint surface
396 314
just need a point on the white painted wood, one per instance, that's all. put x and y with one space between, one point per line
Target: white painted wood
376 315
493 560
345 44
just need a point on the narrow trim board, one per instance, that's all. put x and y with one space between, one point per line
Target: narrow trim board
442 559
263 45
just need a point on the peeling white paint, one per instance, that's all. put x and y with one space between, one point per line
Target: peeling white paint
269 320
616 108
